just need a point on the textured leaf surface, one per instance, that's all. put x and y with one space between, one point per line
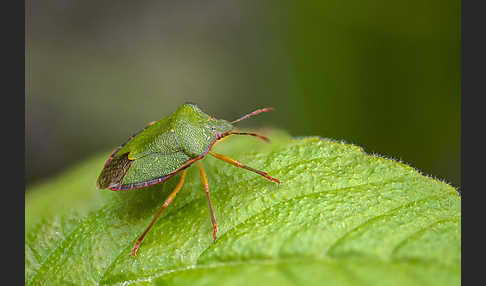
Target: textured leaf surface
339 216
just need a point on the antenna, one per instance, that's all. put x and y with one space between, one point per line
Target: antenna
258 111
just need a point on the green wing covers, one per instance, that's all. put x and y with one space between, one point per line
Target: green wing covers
152 154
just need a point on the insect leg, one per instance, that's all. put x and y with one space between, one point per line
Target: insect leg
238 164
205 183
167 202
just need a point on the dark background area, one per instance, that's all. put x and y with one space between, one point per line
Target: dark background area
384 75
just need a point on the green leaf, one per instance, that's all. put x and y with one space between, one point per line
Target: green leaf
339 216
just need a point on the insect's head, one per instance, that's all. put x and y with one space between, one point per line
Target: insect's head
220 127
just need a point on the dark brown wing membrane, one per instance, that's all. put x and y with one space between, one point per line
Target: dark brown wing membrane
114 171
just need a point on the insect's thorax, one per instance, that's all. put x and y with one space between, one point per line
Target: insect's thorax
196 131
193 139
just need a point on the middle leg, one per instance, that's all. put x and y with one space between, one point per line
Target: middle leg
205 183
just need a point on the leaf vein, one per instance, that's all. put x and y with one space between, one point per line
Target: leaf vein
340 240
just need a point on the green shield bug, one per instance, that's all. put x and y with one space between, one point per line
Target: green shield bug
166 147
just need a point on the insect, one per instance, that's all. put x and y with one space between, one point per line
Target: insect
167 147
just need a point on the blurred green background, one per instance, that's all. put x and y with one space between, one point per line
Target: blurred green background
384 75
